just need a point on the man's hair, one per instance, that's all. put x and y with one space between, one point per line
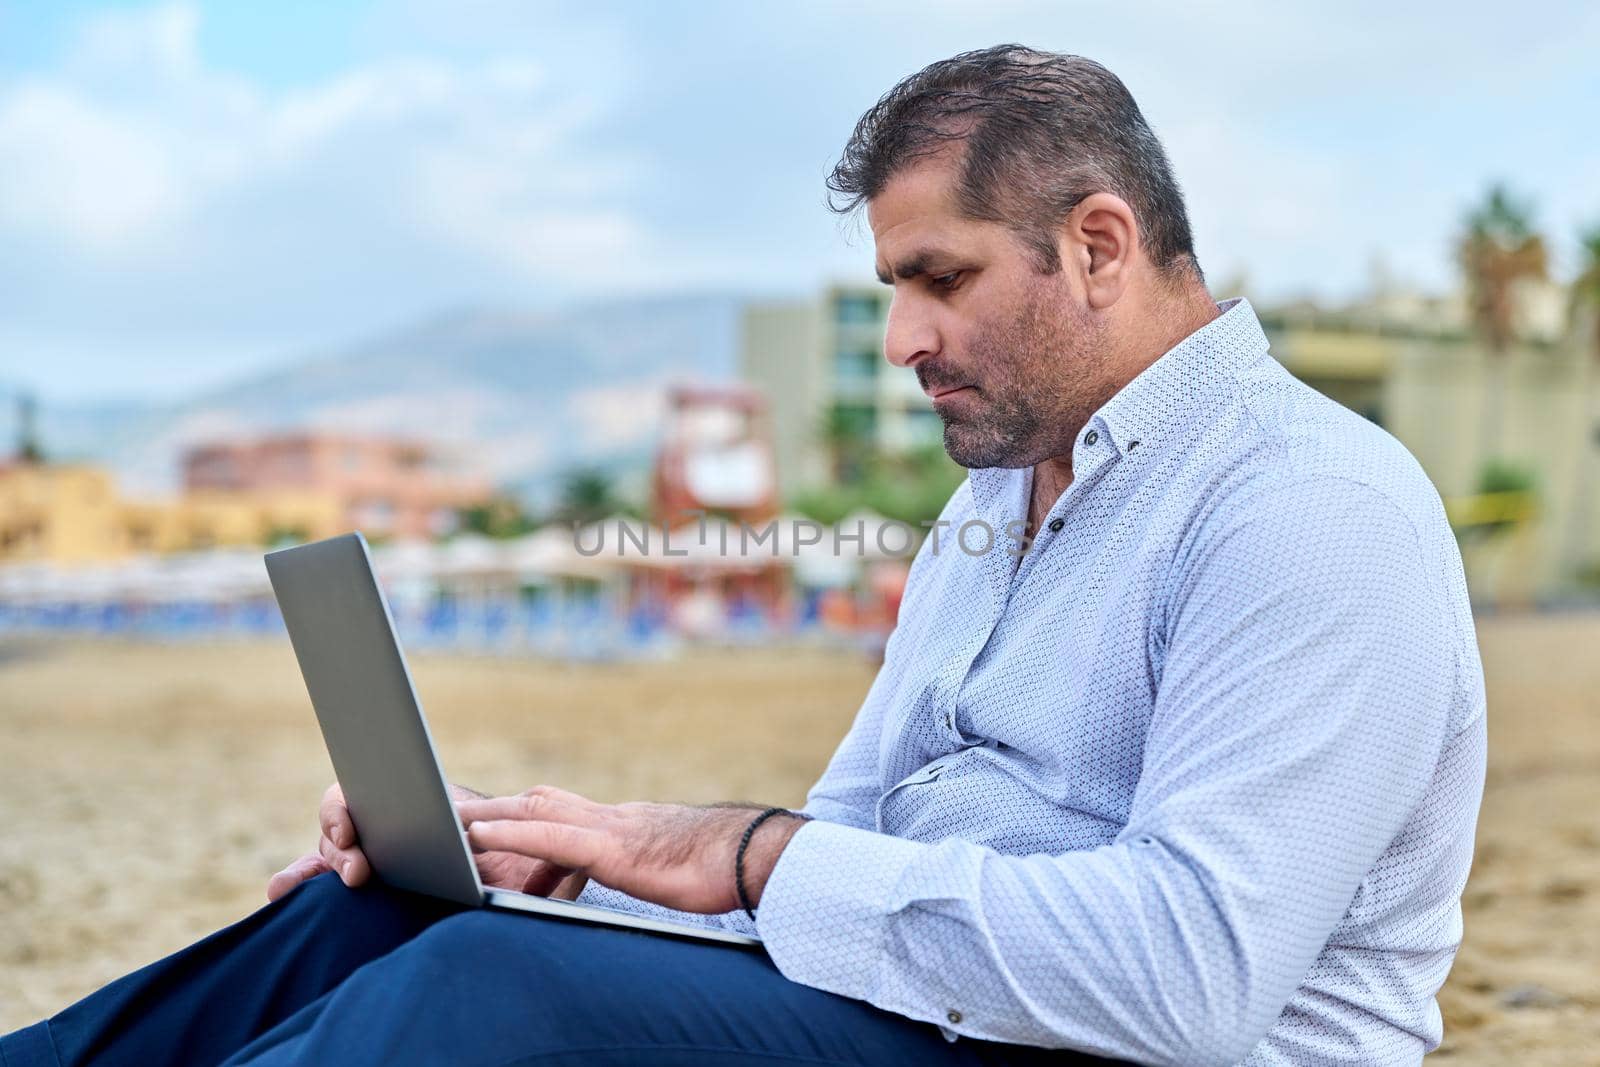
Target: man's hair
1040 131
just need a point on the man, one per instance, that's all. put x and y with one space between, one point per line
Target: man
1191 780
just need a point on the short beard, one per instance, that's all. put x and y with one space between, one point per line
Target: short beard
995 440
1028 407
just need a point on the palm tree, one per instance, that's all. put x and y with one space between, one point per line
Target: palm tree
846 431
588 494
1498 249
1586 286
28 450
501 516
1586 300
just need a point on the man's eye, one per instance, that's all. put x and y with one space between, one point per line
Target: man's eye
947 281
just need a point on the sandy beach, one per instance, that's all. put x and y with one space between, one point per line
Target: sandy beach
149 791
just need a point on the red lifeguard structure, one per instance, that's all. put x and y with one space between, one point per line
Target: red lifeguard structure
716 462
715 456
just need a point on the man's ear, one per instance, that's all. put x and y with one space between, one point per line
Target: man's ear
1101 241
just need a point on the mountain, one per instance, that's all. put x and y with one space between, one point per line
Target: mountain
520 397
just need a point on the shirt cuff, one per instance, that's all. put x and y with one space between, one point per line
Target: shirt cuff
823 912
605 897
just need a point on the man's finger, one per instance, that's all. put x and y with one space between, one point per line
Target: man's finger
570 887
542 877
563 796
301 869
526 806
350 863
558 843
335 819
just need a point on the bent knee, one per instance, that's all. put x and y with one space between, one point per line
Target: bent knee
336 909
479 935
515 949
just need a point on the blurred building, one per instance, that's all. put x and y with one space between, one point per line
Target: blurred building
821 365
72 513
384 486
61 513
219 518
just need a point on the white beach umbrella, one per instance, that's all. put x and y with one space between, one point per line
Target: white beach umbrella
473 554
546 551
880 536
407 561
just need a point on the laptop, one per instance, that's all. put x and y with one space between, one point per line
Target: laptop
343 636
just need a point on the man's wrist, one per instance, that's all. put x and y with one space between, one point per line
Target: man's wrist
765 847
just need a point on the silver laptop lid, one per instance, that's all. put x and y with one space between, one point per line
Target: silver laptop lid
343 635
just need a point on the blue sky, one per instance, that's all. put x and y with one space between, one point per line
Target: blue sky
190 191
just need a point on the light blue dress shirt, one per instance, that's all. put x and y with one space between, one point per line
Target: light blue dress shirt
1194 780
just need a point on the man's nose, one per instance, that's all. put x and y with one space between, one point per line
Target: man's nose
909 337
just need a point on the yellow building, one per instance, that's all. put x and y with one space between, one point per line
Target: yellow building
59 513
208 518
72 513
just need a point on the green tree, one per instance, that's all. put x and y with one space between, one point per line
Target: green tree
500 517
588 494
1497 249
1585 301
284 536
28 449
913 486
910 486
846 431
1586 286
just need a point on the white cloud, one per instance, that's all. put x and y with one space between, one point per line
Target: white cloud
124 141
134 150
72 171
158 40
165 222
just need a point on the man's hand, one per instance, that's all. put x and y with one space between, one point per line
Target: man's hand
677 856
339 851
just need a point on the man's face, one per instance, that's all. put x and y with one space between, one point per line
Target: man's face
1012 359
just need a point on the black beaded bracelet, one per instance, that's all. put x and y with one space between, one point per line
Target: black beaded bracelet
744 843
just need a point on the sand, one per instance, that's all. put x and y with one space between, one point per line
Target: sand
148 792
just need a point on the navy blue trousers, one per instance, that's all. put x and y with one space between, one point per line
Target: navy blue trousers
331 975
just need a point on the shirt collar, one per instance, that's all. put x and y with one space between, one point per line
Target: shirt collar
1186 377
1144 411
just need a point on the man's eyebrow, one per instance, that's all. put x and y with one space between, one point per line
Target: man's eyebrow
913 265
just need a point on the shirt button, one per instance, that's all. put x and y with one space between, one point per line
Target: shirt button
1091 437
953 1015
949 721
1056 524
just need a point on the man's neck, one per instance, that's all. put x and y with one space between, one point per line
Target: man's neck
1051 477
1161 332
1154 332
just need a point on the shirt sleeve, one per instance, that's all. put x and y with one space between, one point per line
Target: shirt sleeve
1302 706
